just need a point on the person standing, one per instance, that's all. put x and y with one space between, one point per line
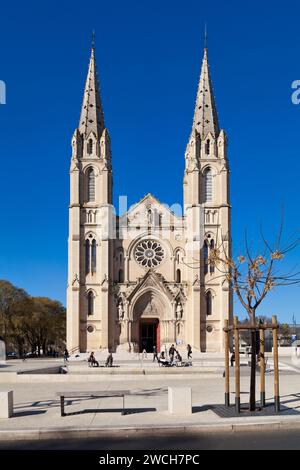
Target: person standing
155 356
189 351
171 353
24 355
232 359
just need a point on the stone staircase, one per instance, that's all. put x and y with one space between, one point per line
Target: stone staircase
126 363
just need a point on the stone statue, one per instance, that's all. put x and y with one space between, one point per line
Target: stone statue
149 216
121 311
179 311
76 279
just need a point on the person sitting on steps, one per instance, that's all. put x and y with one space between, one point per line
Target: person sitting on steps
92 360
162 360
178 359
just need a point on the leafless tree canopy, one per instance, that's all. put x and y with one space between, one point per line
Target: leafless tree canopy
253 275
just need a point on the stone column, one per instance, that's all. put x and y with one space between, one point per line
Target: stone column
126 269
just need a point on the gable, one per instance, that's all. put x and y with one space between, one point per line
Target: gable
149 211
151 280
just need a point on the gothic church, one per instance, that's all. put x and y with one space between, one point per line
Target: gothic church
143 279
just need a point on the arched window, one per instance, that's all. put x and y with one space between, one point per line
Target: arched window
207 147
94 256
91 185
90 147
212 265
208 176
90 303
208 303
87 257
121 276
160 218
205 256
178 276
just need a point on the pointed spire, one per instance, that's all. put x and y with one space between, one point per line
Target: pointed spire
92 118
205 37
205 118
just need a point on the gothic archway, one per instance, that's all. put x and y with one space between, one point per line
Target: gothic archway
148 315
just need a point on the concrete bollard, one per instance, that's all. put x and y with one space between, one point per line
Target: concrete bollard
180 400
6 404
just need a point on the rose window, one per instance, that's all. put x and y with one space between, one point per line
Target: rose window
149 254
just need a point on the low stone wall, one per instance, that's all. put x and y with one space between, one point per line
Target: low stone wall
286 352
13 377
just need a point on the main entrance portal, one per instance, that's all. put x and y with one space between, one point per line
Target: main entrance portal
149 326
149 335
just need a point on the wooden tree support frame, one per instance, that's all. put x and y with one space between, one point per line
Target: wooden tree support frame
261 329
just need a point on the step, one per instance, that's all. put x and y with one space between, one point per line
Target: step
140 371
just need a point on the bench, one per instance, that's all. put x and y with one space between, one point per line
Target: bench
6 404
93 394
180 400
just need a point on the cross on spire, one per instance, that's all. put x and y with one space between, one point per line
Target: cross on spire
205 36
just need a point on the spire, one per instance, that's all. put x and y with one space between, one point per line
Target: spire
91 117
205 118
205 37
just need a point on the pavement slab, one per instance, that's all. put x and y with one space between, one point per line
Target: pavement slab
36 406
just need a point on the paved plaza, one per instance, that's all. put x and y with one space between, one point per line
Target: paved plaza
37 408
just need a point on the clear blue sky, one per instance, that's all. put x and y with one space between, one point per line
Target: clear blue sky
149 56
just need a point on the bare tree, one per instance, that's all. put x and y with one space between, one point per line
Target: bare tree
252 276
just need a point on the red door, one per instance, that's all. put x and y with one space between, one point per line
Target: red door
158 337
149 335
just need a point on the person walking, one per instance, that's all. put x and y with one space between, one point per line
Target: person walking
155 355
109 360
232 359
189 351
66 355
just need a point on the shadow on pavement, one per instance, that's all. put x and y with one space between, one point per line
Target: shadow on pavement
20 414
128 411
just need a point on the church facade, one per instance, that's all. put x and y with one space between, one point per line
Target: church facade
144 279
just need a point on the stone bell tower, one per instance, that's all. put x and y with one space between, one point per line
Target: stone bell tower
206 200
90 210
